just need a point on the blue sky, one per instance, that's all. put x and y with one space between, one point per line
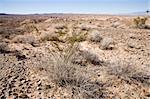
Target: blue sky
73 6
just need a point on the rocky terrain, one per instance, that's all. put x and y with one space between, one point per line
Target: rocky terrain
74 57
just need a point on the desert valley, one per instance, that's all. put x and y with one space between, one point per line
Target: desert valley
69 56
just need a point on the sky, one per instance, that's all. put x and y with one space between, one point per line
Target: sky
73 6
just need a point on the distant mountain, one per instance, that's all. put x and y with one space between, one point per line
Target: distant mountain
3 14
140 13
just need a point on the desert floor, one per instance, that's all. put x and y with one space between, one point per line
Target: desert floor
73 57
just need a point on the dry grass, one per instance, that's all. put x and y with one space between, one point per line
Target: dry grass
67 75
129 72
25 39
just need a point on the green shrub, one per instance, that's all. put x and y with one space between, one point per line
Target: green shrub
77 38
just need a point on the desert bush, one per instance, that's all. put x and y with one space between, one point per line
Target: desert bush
95 36
9 33
65 74
27 21
29 25
77 38
79 59
60 27
20 55
49 37
140 22
91 57
129 72
105 43
122 70
31 28
4 48
61 32
26 39
141 77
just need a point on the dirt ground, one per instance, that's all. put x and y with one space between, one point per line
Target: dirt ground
73 57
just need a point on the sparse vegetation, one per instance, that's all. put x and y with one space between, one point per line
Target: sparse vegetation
60 27
105 43
77 38
109 63
122 70
25 39
129 72
4 48
95 36
49 37
68 75
92 57
140 22
61 33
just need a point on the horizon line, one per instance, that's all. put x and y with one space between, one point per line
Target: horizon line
143 12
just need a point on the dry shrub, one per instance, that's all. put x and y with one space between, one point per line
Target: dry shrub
92 57
95 36
122 70
140 22
61 32
77 38
27 21
106 42
20 55
49 37
10 33
87 27
67 75
26 39
60 27
29 25
129 72
79 60
142 77
4 48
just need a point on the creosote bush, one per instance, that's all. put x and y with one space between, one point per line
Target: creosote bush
77 38
140 22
